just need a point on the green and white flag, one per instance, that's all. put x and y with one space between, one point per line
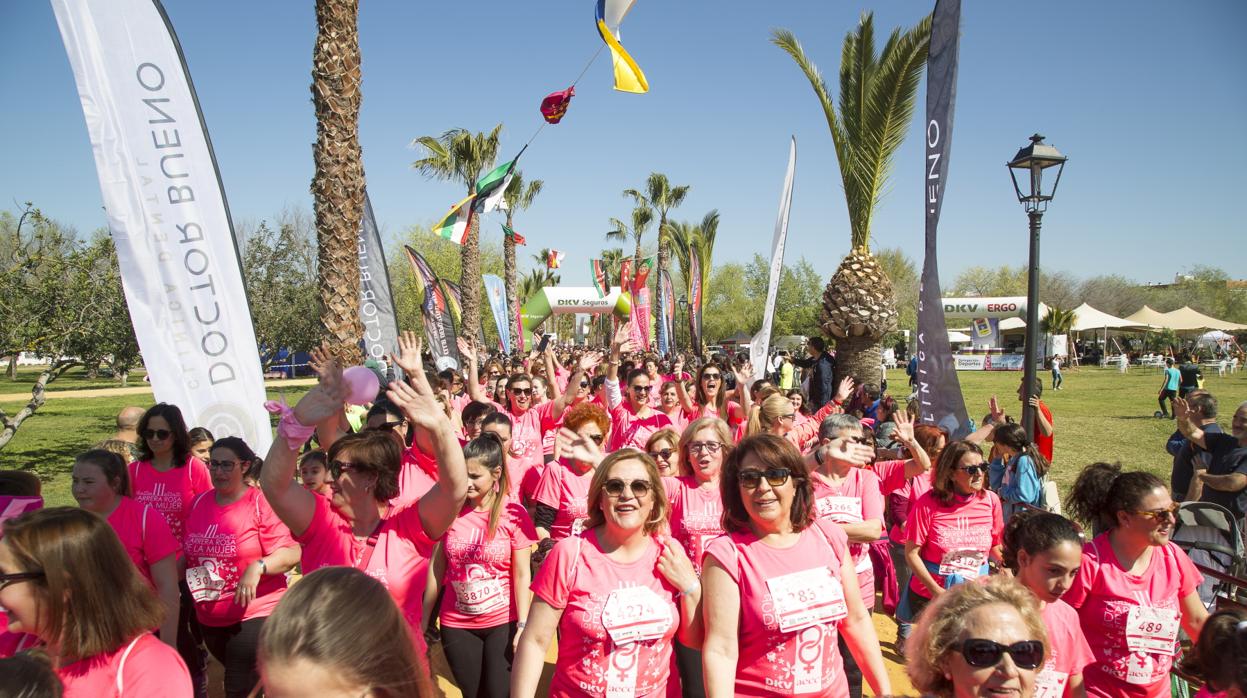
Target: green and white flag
454 226
491 187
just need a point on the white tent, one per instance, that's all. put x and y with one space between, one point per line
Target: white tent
1185 318
1087 318
955 337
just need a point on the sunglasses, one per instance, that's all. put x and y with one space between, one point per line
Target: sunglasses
865 441
1158 514
526 392
615 488
664 454
642 389
707 446
775 477
584 384
337 467
985 653
387 426
222 464
156 434
15 577
972 470
710 376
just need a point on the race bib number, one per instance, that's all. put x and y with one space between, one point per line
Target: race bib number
205 584
810 597
1050 684
578 526
1150 629
475 597
840 509
635 613
967 563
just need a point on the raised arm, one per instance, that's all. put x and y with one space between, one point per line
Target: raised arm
919 462
1045 426
293 504
686 400
743 375
468 352
441 504
587 363
1186 423
997 418
552 377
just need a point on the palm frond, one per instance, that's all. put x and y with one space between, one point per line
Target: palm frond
787 41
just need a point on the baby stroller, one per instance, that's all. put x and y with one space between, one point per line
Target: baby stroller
1211 537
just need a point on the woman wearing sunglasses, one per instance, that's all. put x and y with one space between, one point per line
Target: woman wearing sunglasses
561 496
710 398
776 415
697 515
952 531
360 528
65 578
100 481
1135 587
616 594
237 556
664 447
780 586
483 561
983 639
1044 551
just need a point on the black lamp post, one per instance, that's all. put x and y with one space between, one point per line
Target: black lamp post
1033 160
683 303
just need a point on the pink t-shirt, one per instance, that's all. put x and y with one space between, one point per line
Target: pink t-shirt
854 499
630 431
567 492
148 668
12 643
416 476
733 413
1131 621
696 516
171 492
144 534
899 493
220 542
399 560
679 419
478 570
617 624
1068 651
957 537
527 431
791 604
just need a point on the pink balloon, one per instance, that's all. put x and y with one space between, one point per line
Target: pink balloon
363 384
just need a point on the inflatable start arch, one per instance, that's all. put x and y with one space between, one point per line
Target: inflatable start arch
560 300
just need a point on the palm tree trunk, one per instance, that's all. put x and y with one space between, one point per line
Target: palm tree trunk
338 183
508 271
636 258
664 251
859 357
470 281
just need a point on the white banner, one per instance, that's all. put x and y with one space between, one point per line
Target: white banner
761 344
167 214
1007 306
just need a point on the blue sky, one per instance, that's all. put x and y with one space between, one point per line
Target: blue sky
1146 99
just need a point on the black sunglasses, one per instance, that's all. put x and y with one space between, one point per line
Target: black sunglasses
387 426
664 454
522 391
584 384
157 434
615 488
337 467
972 470
985 653
222 464
15 577
710 376
642 388
775 477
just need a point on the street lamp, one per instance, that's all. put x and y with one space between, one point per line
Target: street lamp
683 303
1033 160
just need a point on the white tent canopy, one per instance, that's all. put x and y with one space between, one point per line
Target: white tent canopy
1185 318
1087 318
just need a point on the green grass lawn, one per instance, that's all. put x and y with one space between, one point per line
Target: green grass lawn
73 379
1100 415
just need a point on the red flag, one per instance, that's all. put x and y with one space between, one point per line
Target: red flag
554 106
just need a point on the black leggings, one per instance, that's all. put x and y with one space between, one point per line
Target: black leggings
688 662
190 643
852 672
234 646
480 659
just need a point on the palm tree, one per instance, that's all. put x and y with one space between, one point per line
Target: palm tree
690 241
1056 322
876 103
642 216
660 196
518 198
612 259
461 156
338 182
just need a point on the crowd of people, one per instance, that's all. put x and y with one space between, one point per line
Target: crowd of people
673 526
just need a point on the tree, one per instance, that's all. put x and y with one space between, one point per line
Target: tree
876 105
338 183
280 276
642 216
690 242
519 198
1056 322
904 275
660 196
458 155
730 307
1113 294
446 260
799 284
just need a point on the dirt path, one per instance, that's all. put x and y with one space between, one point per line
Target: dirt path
144 389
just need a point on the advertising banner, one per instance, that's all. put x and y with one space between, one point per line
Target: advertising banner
761 344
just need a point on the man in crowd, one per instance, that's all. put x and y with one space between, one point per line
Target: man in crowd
1203 408
824 369
1225 478
126 438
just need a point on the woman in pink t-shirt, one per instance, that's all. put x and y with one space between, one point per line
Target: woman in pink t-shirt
697 515
237 556
776 415
65 577
780 586
664 447
709 397
1135 588
483 561
953 531
561 504
99 481
358 527
669 404
617 594
1045 552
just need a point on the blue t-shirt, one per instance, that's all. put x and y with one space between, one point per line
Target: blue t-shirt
1172 376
